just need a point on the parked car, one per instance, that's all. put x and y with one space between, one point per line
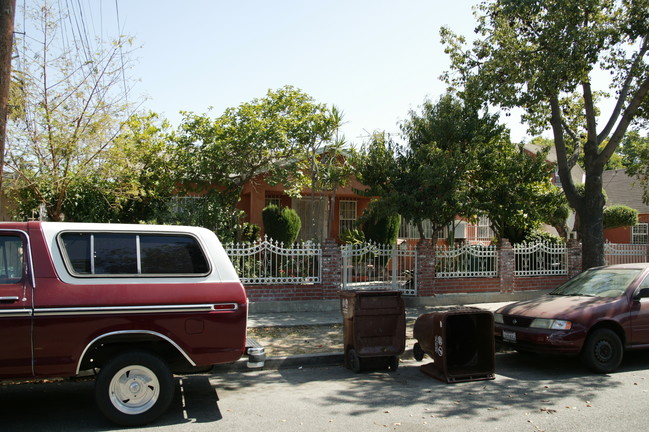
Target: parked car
130 303
598 315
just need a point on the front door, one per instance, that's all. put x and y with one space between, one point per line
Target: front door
15 307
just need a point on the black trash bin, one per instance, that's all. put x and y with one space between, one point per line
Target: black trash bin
460 342
374 327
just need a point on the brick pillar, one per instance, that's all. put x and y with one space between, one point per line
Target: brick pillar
331 276
425 268
574 257
506 266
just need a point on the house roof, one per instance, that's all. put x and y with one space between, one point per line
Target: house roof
623 189
577 173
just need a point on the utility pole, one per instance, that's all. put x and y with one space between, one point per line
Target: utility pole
7 15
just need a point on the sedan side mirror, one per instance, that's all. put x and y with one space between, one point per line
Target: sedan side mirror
641 293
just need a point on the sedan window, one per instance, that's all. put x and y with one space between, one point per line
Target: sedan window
599 283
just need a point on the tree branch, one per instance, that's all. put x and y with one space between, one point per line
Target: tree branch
624 91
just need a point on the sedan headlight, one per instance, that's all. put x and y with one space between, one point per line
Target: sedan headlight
498 318
553 324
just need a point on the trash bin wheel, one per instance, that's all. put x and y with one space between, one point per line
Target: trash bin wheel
393 363
418 352
354 360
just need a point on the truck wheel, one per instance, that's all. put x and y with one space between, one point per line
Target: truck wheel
602 351
134 388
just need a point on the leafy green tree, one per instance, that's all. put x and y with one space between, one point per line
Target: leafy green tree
635 158
73 105
541 56
514 189
268 136
429 179
140 167
379 227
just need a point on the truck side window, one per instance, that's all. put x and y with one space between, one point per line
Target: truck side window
172 255
106 254
11 259
115 254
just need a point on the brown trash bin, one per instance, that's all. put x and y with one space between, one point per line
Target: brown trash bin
374 328
460 342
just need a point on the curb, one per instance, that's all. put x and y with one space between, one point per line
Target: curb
293 362
289 362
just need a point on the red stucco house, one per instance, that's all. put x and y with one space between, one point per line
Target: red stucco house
347 207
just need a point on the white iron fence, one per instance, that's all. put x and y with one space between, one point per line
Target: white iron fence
372 266
466 261
540 259
625 253
269 262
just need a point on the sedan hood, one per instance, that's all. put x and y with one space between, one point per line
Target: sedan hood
561 307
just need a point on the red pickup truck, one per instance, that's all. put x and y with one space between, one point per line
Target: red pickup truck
131 303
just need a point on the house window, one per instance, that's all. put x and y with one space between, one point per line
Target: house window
347 215
484 229
276 201
640 233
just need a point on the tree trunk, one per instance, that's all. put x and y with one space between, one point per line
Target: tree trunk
7 13
591 219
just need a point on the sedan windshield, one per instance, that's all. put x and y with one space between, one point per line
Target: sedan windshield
598 283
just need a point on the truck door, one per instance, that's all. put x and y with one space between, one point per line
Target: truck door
15 306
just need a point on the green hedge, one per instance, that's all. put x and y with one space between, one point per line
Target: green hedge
281 224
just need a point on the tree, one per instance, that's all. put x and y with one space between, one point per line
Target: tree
541 56
514 189
74 105
428 179
140 170
268 136
7 14
635 158
379 227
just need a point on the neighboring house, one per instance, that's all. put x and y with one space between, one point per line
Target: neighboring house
625 190
347 207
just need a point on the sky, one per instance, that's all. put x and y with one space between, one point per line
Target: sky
373 59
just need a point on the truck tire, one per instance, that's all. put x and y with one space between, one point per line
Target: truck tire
134 388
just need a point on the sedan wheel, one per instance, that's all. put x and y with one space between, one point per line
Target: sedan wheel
603 351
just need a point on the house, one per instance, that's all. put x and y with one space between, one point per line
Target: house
319 219
623 189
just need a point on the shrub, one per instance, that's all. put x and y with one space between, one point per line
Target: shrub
281 224
352 236
617 216
381 228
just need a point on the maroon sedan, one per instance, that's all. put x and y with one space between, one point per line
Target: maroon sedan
597 315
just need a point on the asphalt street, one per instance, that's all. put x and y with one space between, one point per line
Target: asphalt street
529 393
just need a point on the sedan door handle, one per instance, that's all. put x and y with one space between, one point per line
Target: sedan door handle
9 299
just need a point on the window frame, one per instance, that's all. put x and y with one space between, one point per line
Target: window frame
137 234
341 219
644 235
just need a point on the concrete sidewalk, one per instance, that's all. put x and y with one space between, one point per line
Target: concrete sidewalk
324 316
327 317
